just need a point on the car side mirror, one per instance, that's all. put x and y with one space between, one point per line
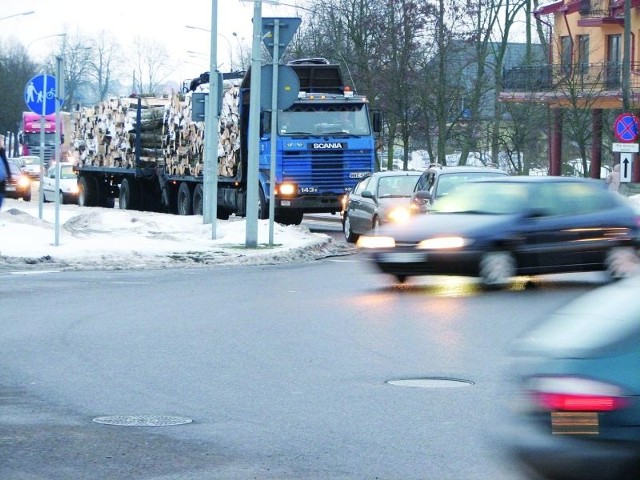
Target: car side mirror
367 194
423 195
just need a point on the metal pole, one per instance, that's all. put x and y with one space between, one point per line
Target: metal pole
212 114
274 125
251 240
40 175
59 96
626 61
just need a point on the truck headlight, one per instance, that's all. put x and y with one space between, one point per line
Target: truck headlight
287 189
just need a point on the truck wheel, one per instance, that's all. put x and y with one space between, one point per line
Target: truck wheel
263 205
198 199
129 198
184 202
86 192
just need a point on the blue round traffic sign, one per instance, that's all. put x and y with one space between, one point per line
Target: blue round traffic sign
40 94
625 128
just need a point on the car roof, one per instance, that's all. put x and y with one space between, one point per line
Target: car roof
536 179
464 168
397 173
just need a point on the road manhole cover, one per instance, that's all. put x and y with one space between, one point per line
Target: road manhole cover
431 382
142 420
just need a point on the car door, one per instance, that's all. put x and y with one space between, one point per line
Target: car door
48 185
357 206
559 234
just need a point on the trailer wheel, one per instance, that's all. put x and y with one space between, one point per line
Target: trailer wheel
184 202
86 192
129 198
198 199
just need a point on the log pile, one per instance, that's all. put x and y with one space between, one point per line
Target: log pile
104 135
184 147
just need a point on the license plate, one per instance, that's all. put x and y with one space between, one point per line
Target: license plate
10 188
574 423
403 257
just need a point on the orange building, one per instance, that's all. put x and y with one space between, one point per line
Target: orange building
589 68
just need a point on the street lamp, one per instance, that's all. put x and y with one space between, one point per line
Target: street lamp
45 37
192 27
17 15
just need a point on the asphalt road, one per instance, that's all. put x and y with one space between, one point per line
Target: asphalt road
283 372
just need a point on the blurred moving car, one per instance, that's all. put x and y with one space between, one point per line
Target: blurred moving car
30 164
68 191
500 227
438 180
380 198
20 184
576 412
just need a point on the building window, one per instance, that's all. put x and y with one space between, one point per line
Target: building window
565 54
583 54
614 61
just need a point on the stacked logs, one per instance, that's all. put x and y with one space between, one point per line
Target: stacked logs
105 135
184 146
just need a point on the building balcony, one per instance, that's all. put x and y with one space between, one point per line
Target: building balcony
597 84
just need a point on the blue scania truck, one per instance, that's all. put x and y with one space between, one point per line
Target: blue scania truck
325 143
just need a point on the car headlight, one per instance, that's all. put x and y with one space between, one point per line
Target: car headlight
439 243
23 181
399 215
365 241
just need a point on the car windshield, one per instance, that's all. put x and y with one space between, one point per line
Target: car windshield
66 171
485 197
397 186
449 181
30 160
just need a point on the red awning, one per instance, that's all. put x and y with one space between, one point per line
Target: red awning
549 8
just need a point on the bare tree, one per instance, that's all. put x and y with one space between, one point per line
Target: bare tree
149 65
106 63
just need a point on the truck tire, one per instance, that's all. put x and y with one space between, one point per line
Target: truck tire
129 198
198 199
263 205
86 192
184 200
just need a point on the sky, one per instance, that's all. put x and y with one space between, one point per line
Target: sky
95 238
165 22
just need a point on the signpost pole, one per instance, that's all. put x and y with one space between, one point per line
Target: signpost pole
41 174
251 233
274 126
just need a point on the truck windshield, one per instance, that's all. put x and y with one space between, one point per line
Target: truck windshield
305 119
33 139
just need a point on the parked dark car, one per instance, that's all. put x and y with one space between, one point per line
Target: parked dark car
576 407
20 184
380 198
438 181
497 228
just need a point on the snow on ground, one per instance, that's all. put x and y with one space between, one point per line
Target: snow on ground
92 238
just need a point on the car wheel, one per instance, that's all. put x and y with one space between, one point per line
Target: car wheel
348 232
497 269
622 262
